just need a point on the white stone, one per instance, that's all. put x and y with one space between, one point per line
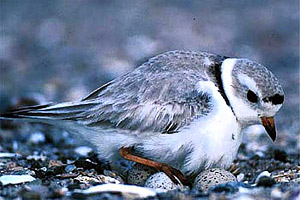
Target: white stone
37 137
131 190
8 155
240 177
15 179
83 150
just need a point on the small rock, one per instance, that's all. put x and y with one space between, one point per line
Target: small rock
134 192
11 165
70 168
280 155
114 175
266 181
88 164
240 177
212 177
139 174
108 179
15 179
54 170
230 187
66 176
161 181
37 137
36 157
83 151
8 155
87 179
262 174
54 163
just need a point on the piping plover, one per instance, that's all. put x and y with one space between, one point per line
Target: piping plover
180 112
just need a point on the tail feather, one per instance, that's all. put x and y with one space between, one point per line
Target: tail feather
62 111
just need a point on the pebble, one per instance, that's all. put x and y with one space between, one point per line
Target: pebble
70 168
230 187
83 151
266 181
130 191
108 179
87 179
55 163
37 137
88 164
240 177
8 155
139 174
161 181
212 177
262 174
15 179
36 157
280 155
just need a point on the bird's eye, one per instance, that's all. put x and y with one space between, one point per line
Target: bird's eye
252 97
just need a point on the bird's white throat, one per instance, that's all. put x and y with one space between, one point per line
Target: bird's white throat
241 110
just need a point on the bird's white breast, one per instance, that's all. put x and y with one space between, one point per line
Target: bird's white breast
210 140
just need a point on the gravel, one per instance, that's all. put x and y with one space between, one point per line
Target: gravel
56 172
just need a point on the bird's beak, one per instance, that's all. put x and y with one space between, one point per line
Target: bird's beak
269 124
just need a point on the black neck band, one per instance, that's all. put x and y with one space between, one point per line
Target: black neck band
217 74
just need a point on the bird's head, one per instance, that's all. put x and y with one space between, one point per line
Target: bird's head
254 93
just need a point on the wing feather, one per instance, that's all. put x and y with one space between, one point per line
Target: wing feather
158 96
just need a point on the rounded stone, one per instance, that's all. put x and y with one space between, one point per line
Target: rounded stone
138 174
212 177
162 181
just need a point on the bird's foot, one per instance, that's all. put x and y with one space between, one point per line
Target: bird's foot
174 174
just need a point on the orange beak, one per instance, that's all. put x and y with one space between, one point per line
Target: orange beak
269 124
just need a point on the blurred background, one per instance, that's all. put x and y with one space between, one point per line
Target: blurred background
61 50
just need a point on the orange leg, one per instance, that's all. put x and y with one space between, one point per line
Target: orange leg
171 172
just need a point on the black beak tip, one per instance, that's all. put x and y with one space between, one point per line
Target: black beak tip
272 134
273 138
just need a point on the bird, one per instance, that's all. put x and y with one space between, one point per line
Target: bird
179 112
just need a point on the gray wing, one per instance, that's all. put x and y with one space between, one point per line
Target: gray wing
158 96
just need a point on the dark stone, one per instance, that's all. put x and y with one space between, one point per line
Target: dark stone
35 164
281 155
88 164
230 187
266 181
55 170
39 173
73 186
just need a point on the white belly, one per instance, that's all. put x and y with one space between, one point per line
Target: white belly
212 141
209 141
215 145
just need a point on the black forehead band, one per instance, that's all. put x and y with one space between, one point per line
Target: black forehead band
276 99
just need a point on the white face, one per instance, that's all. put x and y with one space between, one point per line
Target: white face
265 109
245 96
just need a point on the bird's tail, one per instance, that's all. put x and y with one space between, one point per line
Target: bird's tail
49 112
